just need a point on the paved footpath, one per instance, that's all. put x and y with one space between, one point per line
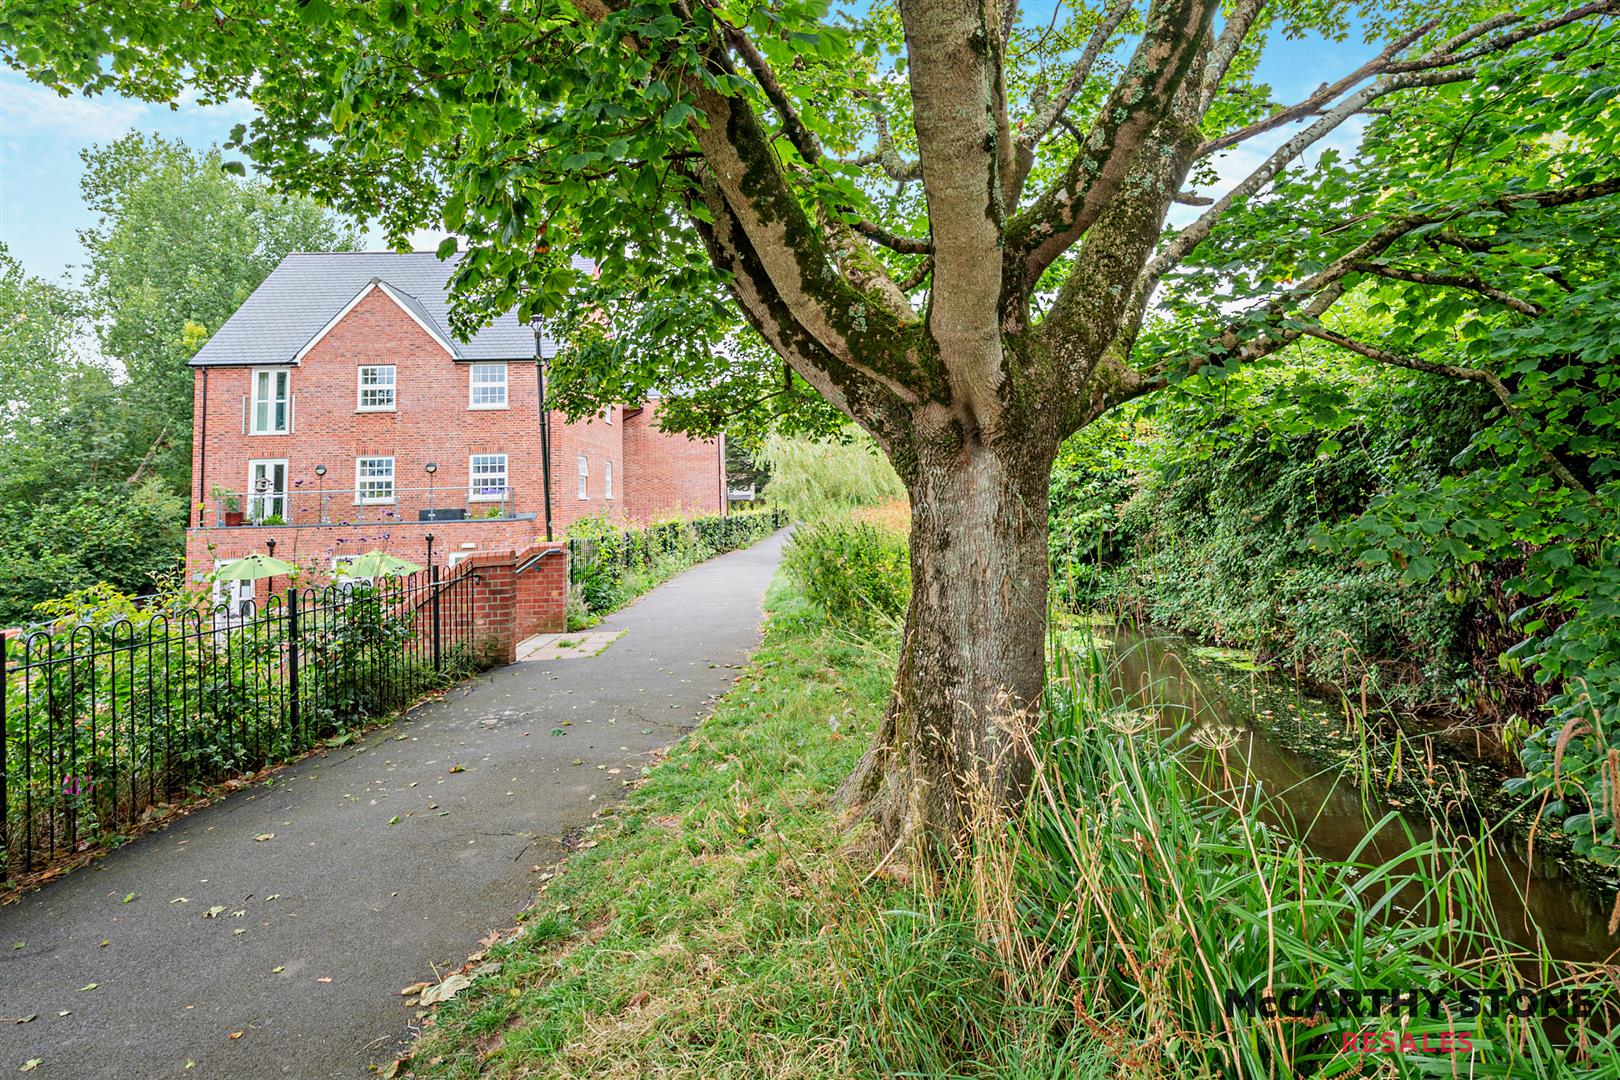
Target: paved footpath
323 923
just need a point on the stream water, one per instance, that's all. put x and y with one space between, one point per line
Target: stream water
1329 812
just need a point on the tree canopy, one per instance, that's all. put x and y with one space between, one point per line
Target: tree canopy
95 425
963 227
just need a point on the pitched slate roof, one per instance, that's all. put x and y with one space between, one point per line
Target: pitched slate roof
301 296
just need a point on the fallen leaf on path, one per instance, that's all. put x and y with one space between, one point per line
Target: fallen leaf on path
414 988
213 911
181 900
31 1064
458 768
21 1019
449 988
65 1012
395 820
324 979
238 914
235 1035
239 931
86 987
129 899
262 837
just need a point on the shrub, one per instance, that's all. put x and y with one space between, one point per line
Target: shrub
855 572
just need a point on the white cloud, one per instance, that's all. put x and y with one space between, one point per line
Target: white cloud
28 108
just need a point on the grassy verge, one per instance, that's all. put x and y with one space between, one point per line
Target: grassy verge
727 922
690 940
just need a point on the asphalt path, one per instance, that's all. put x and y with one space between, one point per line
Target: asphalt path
293 912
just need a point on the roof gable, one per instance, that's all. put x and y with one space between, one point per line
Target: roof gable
404 301
304 296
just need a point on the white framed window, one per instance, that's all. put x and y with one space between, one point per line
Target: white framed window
236 597
373 480
375 388
486 386
271 411
607 416
486 478
267 491
584 477
457 557
607 479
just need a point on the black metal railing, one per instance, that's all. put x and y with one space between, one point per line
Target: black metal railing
112 718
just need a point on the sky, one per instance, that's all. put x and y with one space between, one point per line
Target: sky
42 135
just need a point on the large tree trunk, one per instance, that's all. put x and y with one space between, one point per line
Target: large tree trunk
973 657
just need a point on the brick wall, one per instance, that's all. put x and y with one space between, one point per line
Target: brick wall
542 590
669 473
654 474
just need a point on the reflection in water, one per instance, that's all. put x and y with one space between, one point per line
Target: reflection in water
1327 808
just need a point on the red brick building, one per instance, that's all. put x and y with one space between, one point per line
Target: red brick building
334 414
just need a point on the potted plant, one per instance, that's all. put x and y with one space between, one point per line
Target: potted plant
274 519
230 504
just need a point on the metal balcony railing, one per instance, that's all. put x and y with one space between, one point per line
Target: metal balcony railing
377 504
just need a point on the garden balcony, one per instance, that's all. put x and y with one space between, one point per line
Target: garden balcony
367 506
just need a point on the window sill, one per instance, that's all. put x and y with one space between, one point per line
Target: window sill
269 433
488 408
376 409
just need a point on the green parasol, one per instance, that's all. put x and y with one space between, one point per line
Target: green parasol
252 568
376 564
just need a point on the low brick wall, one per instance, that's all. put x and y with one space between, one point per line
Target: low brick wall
519 595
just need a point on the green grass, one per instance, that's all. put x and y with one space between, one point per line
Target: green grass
729 923
691 940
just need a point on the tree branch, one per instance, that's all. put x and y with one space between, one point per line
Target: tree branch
1142 98
1324 94
905 245
1456 281
1037 126
1455 371
802 138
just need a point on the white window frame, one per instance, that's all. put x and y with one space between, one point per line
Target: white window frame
258 506
607 479
393 491
474 488
253 400
360 388
233 596
607 416
584 477
456 557
474 385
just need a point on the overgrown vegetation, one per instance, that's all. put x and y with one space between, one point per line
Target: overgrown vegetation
116 711
729 923
611 564
815 478
1393 532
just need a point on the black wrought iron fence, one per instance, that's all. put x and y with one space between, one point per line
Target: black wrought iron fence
111 719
